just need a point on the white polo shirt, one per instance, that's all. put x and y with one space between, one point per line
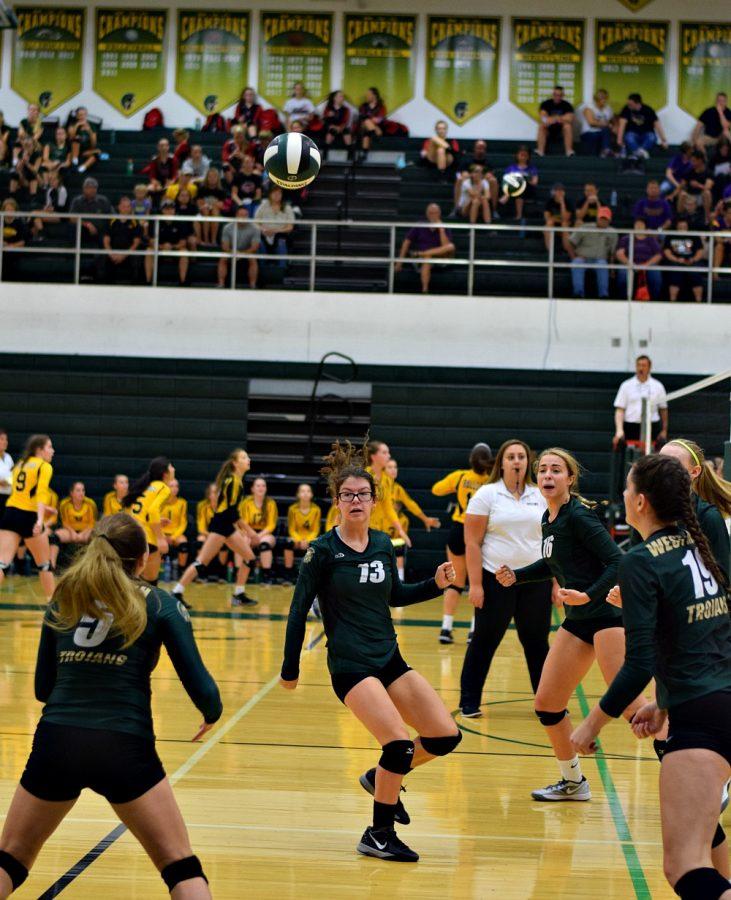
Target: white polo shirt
513 535
631 393
6 473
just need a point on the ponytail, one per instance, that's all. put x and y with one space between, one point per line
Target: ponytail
101 581
34 443
157 468
227 469
709 486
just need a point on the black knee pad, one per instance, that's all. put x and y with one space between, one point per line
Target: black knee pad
719 837
397 757
182 870
455 587
701 884
182 548
551 718
198 565
5 566
54 541
441 746
45 567
17 872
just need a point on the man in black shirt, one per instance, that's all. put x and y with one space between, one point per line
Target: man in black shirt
713 124
699 183
683 251
92 203
639 128
123 235
557 117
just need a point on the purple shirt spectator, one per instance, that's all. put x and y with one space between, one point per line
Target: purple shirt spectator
655 212
526 171
681 168
644 249
424 237
726 192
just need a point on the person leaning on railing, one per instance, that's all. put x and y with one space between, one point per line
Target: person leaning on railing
245 236
428 241
91 202
594 245
683 251
722 245
646 253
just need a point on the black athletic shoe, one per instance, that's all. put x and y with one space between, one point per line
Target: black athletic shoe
368 783
385 844
471 712
243 600
181 598
446 636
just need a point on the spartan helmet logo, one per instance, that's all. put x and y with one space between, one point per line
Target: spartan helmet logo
127 101
44 99
211 102
460 109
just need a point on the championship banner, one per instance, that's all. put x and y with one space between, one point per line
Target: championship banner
705 64
212 58
634 5
544 53
294 47
129 69
462 65
379 50
47 55
631 57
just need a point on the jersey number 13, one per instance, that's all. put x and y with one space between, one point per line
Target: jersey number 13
373 572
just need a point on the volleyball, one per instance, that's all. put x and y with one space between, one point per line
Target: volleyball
513 184
292 161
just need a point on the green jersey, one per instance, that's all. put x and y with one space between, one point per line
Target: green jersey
355 591
580 554
58 154
87 679
676 622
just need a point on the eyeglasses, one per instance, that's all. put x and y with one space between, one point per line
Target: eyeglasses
349 496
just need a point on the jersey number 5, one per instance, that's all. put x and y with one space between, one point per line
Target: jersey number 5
704 584
373 572
91 632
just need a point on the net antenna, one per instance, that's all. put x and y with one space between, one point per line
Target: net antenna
7 17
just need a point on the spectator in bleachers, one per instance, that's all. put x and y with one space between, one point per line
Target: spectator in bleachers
474 200
181 151
84 150
275 218
336 121
248 113
524 166
141 203
184 182
682 251
653 208
55 200
429 241
245 236
246 187
56 154
162 170
185 206
595 246
171 237
557 213
6 470
713 124
440 151
31 125
478 157
4 142
122 237
16 234
690 209
259 517
26 171
197 164
258 150
677 172
215 123
722 242
77 514
720 168
299 107
211 197
639 128
646 254
112 502
699 183
371 118
556 122
598 128
236 148
587 209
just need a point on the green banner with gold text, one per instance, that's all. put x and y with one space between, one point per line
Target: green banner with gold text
462 65
631 57
379 51
47 54
705 64
294 47
129 68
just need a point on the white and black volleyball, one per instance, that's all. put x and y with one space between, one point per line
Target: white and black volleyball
514 184
292 160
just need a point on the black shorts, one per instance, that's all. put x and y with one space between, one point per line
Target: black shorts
455 541
224 523
399 551
21 521
585 629
703 723
3 501
66 759
394 668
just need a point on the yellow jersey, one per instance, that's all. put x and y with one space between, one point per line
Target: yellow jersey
384 516
404 520
203 515
50 514
146 508
175 509
110 505
77 519
264 519
230 493
304 526
333 517
31 479
464 483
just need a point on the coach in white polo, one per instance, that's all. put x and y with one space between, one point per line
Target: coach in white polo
628 405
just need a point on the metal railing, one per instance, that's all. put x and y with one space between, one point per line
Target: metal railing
474 261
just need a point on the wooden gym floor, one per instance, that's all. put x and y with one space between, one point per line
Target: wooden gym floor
272 799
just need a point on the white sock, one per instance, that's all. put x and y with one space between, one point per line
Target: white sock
472 624
178 589
570 769
400 574
239 590
447 622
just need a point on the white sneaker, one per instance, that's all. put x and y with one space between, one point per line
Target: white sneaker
724 796
564 790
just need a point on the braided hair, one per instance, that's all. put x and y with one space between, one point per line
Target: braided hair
666 484
347 461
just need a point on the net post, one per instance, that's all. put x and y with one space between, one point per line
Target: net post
646 425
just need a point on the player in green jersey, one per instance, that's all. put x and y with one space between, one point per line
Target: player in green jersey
579 553
675 606
352 569
100 641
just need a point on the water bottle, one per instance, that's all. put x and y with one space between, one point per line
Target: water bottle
130 167
613 198
197 123
230 572
166 570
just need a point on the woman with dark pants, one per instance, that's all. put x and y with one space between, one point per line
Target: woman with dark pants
504 520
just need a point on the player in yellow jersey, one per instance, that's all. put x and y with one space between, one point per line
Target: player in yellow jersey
222 529
113 499
384 516
174 520
77 514
333 517
402 499
304 519
259 516
50 513
144 501
464 483
204 511
25 510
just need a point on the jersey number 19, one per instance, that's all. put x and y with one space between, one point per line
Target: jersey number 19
704 584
